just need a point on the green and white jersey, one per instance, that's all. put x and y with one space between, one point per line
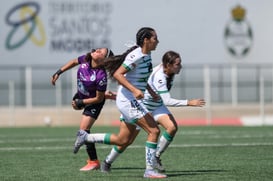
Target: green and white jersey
157 82
161 84
139 68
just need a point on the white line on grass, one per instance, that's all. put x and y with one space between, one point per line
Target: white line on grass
136 146
211 136
223 134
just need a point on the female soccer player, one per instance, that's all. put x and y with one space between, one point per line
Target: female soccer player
161 81
91 93
132 76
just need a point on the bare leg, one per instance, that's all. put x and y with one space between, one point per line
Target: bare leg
150 127
117 150
168 122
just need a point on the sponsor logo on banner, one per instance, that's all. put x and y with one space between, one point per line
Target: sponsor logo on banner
71 26
79 25
24 22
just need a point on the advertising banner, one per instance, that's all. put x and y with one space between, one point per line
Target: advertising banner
210 31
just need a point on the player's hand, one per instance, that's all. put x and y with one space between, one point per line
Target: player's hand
138 94
196 102
110 95
54 79
78 104
55 76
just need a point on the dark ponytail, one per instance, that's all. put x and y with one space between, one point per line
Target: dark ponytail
114 62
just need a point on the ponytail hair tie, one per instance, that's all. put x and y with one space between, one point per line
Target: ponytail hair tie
109 53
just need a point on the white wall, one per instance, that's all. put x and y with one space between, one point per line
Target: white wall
192 27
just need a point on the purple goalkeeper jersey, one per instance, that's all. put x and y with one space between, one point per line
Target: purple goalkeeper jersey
90 80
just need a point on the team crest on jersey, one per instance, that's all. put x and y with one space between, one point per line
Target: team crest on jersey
93 77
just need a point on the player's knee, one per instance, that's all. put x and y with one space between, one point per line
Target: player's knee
124 142
155 132
173 130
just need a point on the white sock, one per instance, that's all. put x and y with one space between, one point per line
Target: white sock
95 138
150 149
163 143
113 155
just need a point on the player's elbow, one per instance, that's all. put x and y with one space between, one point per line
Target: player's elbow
100 99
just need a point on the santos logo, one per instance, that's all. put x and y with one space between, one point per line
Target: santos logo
23 18
238 33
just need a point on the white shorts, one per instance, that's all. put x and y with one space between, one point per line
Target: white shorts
131 110
122 119
162 110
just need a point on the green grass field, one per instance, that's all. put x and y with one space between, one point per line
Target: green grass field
197 153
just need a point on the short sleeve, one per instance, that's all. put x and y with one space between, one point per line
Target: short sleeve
81 59
101 80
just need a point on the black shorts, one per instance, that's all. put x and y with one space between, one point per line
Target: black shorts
93 110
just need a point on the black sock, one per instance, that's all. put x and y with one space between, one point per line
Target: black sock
91 149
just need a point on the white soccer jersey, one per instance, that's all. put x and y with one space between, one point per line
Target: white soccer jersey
158 82
139 68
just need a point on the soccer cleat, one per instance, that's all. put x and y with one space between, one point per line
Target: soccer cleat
153 173
105 167
81 136
158 164
91 165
